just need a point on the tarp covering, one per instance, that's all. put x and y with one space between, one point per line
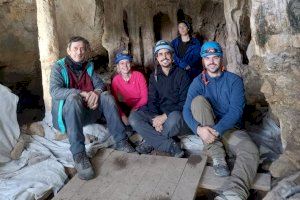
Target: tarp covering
9 128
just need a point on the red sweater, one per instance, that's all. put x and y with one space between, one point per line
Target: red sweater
133 92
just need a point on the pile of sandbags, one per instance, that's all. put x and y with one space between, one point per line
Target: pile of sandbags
9 127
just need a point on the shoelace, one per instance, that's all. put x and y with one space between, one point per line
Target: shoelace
85 162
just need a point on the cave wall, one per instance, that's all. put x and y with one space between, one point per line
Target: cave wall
109 26
18 43
263 47
136 27
73 17
275 55
260 39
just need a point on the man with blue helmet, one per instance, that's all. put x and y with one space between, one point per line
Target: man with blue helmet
161 119
213 110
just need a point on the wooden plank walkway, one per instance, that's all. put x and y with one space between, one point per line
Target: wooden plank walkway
212 182
122 176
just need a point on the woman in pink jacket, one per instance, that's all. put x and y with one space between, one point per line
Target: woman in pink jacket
128 87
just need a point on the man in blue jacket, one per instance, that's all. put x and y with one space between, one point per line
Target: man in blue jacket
161 119
213 110
78 98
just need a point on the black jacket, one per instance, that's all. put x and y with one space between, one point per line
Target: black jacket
167 93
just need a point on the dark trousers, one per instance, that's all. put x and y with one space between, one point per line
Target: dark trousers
141 122
76 115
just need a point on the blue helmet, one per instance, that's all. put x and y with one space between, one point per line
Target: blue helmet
122 56
163 44
211 48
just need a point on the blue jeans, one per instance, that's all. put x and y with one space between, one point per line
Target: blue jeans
76 115
141 122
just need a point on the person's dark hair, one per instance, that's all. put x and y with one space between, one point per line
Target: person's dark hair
77 39
188 25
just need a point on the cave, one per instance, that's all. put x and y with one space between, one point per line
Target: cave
161 26
260 40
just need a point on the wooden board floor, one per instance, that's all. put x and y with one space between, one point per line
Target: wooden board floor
210 181
136 177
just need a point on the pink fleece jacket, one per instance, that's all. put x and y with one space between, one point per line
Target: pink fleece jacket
133 92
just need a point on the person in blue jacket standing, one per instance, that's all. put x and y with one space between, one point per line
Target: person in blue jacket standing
187 50
213 110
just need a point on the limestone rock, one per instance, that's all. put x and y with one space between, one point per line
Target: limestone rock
36 129
76 18
288 188
273 29
19 62
16 152
18 35
261 41
282 167
136 27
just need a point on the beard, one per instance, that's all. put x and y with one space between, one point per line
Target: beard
213 68
165 62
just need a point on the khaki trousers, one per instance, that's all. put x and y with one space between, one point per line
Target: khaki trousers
237 143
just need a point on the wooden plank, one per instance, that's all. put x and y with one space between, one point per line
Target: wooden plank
262 182
106 174
122 176
76 183
151 177
46 195
134 175
187 186
170 177
212 182
122 186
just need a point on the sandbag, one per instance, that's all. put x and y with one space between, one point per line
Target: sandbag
9 127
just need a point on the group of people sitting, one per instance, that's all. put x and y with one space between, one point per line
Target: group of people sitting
181 98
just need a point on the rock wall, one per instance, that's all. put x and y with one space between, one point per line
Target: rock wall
18 43
19 61
260 38
275 56
48 44
77 18
263 47
136 27
109 26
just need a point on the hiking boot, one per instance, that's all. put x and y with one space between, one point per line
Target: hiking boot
175 150
144 148
83 166
220 167
123 145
